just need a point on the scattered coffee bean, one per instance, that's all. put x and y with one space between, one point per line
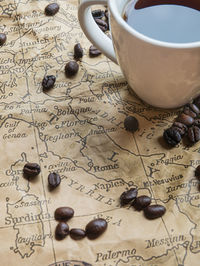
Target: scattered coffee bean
197 101
106 14
98 13
197 172
51 9
103 25
54 180
48 82
63 213
2 38
62 230
31 170
93 51
77 234
172 136
197 122
181 128
78 51
95 228
141 202
194 134
154 211
71 68
128 196
185 119
131 123
191 110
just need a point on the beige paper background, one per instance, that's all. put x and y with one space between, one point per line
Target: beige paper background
77 130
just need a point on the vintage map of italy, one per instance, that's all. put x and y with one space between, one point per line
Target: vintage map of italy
77 130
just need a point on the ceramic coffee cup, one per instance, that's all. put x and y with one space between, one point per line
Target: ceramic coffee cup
162 74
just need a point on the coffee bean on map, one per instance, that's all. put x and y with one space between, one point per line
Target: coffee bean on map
93 51
191 110
197 122
131 123
2 38
48 82
197 101
31 170
197 172
63 213
95 228
172 136
185 119
194 134
106 14
141 202
78 51
54 180
154 211
77 234
71 68
103 25
180 127
62 230
128 196
98 13
51 9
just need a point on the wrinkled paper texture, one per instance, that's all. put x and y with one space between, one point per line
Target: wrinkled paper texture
76 129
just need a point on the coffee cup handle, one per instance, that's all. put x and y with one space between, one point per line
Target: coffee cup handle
92 31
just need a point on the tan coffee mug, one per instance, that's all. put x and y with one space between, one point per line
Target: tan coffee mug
162 74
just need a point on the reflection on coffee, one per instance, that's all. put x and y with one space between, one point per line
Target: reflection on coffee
176 21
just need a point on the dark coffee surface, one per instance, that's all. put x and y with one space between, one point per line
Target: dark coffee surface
195 4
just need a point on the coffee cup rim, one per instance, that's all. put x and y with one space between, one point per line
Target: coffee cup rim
118 17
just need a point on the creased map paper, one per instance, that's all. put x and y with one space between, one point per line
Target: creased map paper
76 129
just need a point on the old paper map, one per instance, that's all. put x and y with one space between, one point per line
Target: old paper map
76 129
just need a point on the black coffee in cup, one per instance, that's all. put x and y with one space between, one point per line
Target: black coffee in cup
176 21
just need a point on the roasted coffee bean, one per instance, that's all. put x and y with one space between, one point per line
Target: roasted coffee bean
63 213
2 38
95 228
172 136
197 172
131 123
71 68
48 82
141 202
154 211
181 128
78 51
128 196
191 110
98 13
106 14
103 25
197 122
194 134
54 180
51 9
77 234
93 51
62 230
185 119
197 101
31 170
